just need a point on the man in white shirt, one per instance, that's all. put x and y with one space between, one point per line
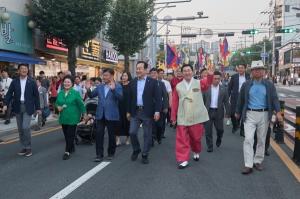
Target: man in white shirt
24 105
216 100
4 85
234 87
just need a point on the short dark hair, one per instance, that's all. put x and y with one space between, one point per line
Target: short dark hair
186 65
42 72
109 70
160 70
202 70
218 73
26 65
99 79
77 77
128 74
142 62
242 64
4 70
93 79
84 77
69 77
60 72
153 70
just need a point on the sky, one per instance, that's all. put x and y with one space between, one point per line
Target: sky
224 16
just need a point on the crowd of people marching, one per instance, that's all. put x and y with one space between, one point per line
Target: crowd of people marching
193 103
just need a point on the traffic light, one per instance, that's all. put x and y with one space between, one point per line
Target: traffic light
250 32
285 30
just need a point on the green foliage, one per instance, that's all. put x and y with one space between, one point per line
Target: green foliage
128 25
247 55
74 21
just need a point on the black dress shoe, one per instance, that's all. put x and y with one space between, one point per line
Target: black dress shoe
135 155
98 159
159 141
145 159
7 122
267 153
247 170
218 142
66 156
209 150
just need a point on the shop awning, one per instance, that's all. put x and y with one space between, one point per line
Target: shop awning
20 58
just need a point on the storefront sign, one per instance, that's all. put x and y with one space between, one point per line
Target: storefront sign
15 35
91 50
111 56
56 44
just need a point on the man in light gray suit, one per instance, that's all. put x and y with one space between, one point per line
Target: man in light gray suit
216 101
43 103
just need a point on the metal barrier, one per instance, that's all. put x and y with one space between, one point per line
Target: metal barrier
279 135
296 155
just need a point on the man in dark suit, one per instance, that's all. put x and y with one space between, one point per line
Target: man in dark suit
144 105
158 126
107 115
234 88
23 91
216 100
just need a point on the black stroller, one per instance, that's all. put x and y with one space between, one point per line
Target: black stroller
87 131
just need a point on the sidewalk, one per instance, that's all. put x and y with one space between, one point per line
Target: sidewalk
5 130
293 88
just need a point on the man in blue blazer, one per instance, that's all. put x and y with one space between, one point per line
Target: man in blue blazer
144 105
107 115
23 91
234 88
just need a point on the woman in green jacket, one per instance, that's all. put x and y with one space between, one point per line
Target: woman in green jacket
70 106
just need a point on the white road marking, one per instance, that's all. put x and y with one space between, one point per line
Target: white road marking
293 96
77 183
282 95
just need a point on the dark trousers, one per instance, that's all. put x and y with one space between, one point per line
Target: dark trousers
100 131
8 111
268 137
236 123
135 122
159 127
214 120
163 121
69 133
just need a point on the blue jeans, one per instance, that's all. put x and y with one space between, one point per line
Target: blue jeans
23 123
135 123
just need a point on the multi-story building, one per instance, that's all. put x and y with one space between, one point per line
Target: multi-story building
287 16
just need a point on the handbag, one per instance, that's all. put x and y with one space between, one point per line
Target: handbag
46 112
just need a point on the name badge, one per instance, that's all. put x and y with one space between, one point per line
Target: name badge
196 89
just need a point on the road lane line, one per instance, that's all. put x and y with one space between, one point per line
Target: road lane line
77 183
288 143
294 169
33 135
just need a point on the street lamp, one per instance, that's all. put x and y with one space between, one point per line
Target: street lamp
4 16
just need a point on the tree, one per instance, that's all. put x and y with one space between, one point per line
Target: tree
128 26
73 21
247 55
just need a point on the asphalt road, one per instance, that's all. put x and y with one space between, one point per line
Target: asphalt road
215 176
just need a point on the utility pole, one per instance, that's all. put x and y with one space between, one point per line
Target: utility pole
264 57
166 50
273 42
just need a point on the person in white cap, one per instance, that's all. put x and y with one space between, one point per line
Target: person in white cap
256 103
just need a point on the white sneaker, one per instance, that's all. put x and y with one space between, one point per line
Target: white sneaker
228 122
196 156
183 165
